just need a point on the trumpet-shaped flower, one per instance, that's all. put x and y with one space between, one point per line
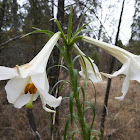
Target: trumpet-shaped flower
131 63
93 73
30 80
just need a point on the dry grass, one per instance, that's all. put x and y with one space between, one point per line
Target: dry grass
122 121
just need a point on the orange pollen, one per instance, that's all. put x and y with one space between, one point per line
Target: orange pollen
30 87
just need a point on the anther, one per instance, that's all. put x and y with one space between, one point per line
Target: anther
30 87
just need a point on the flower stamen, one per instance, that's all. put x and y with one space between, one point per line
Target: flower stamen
30 87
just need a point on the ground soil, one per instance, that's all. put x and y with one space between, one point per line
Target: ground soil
122 121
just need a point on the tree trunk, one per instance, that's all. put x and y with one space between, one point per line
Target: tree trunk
15 17
2 10
55 74
60 14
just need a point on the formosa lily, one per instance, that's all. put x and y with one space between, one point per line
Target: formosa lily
131 63
92 74
30 80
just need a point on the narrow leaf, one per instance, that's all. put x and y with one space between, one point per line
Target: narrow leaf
71 106
70 25
66 127
62 33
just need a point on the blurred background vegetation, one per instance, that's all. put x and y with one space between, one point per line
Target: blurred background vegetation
17 20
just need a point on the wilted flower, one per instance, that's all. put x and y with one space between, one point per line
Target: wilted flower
30 80
131 63
92 71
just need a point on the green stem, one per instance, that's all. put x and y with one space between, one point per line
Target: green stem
81 117
76 95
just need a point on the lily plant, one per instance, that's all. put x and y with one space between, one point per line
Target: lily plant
130 67
29 81
89 71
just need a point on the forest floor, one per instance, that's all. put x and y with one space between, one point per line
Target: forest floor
122 121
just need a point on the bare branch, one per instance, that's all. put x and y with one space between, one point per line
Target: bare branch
8 41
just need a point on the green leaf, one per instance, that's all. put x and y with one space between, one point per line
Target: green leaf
94 93
62 33
77 38
60 59
83 92
56 85
70 25
93 137
60 88
91 64
75 80
63 52
71 106
88 130
75 58
88 107
66 127
78 32
65 98
73 133
57 66
84 30
85 68
96 131
44 31
47 32
75 119
82 17
93 111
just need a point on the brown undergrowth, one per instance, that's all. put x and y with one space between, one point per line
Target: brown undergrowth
122 121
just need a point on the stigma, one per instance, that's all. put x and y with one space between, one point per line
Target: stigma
30 87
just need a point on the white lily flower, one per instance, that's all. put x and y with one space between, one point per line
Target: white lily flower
131 63
30 80
92 74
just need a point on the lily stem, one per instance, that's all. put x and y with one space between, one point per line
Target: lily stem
74 85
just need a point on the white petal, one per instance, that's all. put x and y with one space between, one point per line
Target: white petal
45 96
23 72
123 70
45 52
7 73
124 88
44 105
131 63
48 110
51 100
14 87
38 64
40 80
93 78
91 74
135 71
40 61
24 99
42 89
81 73
106 46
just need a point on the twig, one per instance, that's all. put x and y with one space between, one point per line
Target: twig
6 42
